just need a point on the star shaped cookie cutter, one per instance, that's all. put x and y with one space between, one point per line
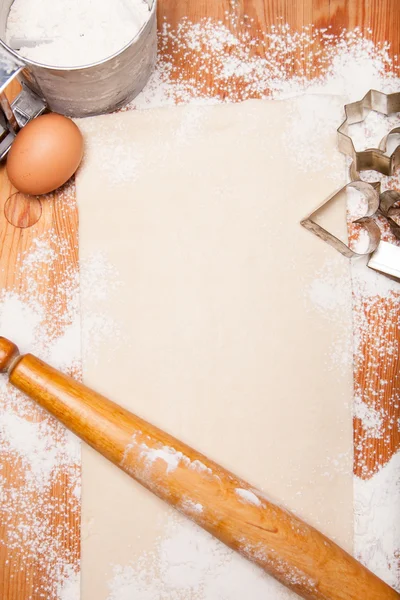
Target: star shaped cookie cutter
370 159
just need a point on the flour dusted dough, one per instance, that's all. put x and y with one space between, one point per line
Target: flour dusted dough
216 338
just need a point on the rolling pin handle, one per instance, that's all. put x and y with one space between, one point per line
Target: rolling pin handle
8 354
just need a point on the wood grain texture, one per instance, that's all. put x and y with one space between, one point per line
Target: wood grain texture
243 518
378 377
21 578
24 574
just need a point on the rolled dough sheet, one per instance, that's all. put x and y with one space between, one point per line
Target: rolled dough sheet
196 211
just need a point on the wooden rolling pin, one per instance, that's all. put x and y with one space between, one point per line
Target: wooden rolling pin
232 510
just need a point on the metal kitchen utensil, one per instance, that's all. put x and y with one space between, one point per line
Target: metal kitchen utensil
386 260
387 200
73 91
371 196
370 159
25 107
375 159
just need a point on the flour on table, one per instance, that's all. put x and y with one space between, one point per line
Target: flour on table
325 291
313 121
189 564
69 585
99 281
32 443
377 524
372 420
377 539
37 448
122 158
230 62
227 69
370 132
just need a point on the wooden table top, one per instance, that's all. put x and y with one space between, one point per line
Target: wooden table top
28 575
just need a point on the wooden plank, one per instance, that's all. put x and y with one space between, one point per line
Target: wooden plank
27 577
378 376
29 567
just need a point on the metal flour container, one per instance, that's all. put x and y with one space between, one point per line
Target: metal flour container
73 91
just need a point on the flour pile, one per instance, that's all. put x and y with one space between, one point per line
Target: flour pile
81 33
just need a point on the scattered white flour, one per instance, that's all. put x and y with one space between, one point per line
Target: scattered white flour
194 507
30 440
188 564
327 291
69 586
205 62
377 523
40 452
369 290
227 61
86 32
197 465
361 242
169 455
98 278
99 281
370 283
248 496
357 207
370 132
328 294
209 62
313 121
356 202
20 321
121 156
375 301
41 254
371 419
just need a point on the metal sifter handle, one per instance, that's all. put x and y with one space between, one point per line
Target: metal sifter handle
26 106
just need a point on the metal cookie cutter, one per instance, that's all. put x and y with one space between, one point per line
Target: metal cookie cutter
386 260
371 195
371 159
387 209
92 89
375 159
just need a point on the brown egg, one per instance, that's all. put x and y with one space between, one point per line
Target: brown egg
45 154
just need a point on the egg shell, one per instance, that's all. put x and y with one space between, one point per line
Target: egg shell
45 154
